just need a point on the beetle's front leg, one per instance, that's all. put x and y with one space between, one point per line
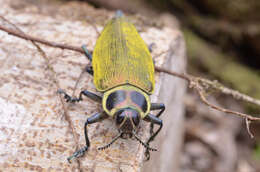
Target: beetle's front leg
93 119
86 93
154 120
156 106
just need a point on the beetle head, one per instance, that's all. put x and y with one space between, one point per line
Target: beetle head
127 120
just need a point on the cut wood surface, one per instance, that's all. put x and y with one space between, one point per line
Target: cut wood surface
38 132
172 93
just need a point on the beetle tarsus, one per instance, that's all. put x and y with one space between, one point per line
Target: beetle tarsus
78 153
86 93
154 120
147 155
68 98
93 119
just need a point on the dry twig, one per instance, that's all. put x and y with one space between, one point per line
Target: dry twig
197 83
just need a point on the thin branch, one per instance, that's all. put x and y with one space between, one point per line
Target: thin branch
200 91
180 75
248 122
213 84
247 117
42 41
228 91
199 84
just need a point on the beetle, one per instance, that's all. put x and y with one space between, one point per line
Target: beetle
123 71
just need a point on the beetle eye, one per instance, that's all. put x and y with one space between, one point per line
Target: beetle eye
119 117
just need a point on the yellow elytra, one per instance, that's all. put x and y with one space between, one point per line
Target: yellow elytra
121 56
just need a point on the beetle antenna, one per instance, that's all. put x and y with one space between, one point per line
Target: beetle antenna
109 144
142 143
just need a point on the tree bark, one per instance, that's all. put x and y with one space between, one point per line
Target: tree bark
38 131
172 93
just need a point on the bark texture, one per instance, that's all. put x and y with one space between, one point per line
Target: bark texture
172 93
38 132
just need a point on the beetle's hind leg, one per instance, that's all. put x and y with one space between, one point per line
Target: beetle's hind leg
86 93
88 68
93 119
151 46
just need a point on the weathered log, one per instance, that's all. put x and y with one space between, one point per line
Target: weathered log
172 93
38 131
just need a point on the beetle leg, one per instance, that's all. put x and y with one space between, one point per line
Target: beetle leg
86 93
154 120
150 47
89 68
156 106
87 53
93 119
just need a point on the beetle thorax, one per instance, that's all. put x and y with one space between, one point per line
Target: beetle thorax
126 96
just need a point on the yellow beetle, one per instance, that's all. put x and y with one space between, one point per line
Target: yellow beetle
123 71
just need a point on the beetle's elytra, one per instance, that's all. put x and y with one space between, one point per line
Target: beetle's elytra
123 71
